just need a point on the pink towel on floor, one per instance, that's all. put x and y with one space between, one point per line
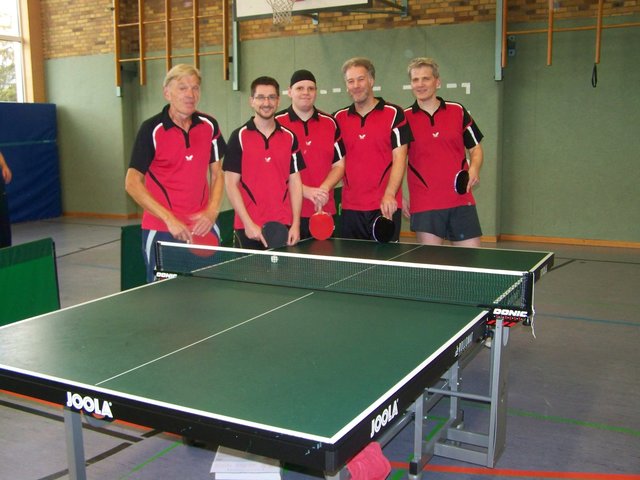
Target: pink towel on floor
369 464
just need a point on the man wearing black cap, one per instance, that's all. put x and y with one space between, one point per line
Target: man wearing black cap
321 145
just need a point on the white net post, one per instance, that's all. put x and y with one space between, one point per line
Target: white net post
281 10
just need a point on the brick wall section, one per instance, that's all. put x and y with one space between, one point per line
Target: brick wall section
85 27
76 27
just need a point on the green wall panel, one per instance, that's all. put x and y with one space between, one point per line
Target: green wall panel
90 136
558 152
569 147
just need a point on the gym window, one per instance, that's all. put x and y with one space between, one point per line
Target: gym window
11 55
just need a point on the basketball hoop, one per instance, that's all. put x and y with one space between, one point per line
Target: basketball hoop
281 10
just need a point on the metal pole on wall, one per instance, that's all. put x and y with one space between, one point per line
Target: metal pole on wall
500 38
235 50
550 33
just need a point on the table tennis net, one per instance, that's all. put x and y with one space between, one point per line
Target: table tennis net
423 282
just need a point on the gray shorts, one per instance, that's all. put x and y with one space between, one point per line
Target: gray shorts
453 224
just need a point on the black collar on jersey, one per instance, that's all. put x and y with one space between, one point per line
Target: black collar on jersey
251 125
294 116
416 108
167 123
379 106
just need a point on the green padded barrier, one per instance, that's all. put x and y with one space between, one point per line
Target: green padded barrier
28 280
132 269
225 223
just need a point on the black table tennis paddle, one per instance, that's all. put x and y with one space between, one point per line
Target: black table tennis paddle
461 181
383 229
276 234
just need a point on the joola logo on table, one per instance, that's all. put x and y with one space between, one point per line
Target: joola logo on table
385 417
89 405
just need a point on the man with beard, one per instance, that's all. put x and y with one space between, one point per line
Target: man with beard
262 171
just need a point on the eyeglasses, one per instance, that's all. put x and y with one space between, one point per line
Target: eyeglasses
262 98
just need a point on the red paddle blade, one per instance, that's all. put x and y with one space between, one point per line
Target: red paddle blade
208 239
321 225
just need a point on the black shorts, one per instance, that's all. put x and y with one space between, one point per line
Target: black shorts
454 224
359 224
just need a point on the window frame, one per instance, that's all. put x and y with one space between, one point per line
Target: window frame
29 61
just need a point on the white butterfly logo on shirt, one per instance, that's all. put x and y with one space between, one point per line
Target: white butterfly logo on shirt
362 136
436 134
308 142
188 158
267 159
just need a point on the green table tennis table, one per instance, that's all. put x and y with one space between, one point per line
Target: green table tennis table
309 376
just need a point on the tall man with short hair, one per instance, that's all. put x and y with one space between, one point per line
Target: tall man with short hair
262 171
321 144
375 134
175 172
443 134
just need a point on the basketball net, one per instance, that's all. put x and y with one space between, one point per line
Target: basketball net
281 10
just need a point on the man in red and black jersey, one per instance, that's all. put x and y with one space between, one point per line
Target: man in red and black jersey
443 133
320 143
175 171
262 171
375 134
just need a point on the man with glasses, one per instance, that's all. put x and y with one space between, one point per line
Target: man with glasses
262 171
321 145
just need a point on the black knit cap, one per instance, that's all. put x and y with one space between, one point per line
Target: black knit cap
300 75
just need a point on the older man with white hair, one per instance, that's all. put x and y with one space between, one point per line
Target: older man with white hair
175 171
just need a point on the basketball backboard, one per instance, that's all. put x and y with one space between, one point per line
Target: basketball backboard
248 9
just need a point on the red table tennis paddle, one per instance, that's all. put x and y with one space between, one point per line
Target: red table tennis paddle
276 234
383 229
321 225
208 239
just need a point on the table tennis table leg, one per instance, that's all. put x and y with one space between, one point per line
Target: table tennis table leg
455 441
498 404
75 445
420 457
340 475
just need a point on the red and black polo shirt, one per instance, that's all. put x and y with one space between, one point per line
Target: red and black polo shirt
264 165
176 163
370 141
321 146
437 154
